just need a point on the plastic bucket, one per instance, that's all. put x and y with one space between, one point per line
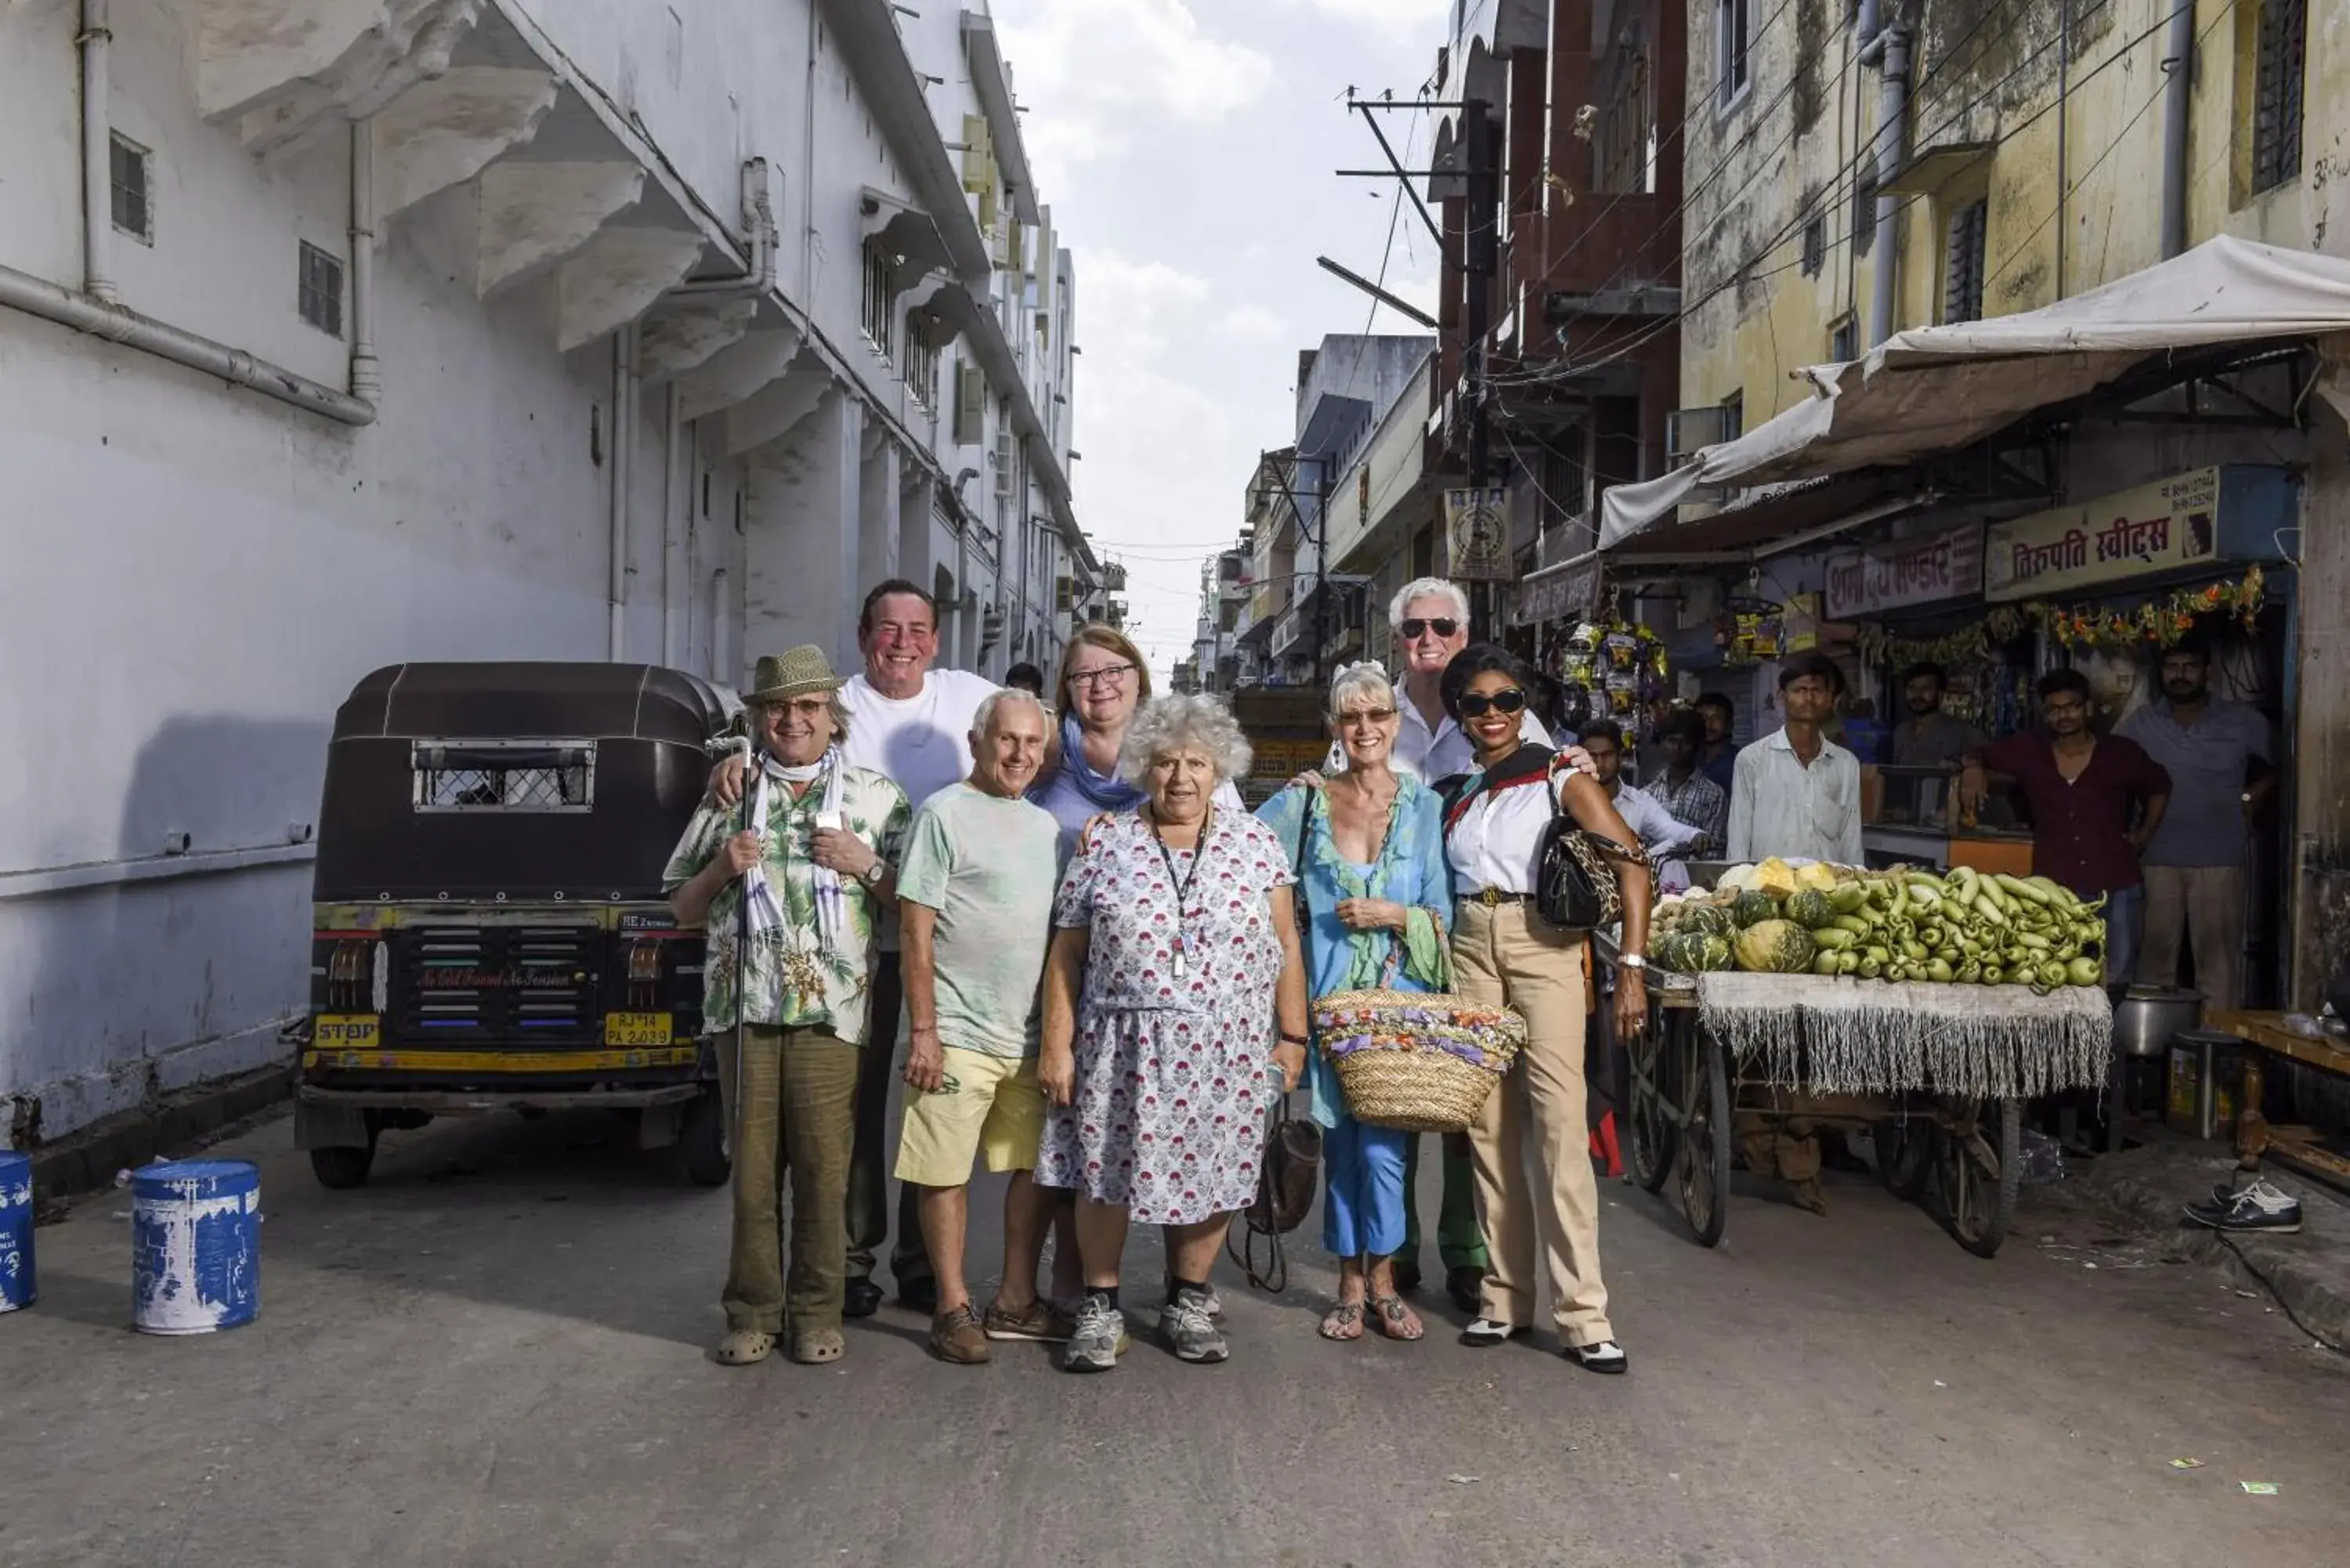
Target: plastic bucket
196 1246
15 1230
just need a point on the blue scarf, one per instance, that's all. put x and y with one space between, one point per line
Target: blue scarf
1112 793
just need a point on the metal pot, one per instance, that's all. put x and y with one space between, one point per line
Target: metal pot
2147 1016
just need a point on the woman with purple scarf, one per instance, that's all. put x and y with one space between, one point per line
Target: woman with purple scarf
1104 681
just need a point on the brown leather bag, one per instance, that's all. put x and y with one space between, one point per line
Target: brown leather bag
1285 1178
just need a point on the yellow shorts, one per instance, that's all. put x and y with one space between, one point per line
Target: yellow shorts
987 1103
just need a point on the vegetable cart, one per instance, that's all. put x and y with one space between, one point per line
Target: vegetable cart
1935 1068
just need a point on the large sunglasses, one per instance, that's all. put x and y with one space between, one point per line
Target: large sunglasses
1509 699
1444 625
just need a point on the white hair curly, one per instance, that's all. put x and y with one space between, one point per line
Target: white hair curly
1427 588
1177 722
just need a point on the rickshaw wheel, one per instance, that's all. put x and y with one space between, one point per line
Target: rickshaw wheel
1705 1136
1978 1166
1650 1137
344 1168
701 1140
1905 1152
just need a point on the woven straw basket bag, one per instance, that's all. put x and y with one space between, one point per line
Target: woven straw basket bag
1415 1061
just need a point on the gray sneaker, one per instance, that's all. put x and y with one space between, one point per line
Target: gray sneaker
1185 1322
1099 1340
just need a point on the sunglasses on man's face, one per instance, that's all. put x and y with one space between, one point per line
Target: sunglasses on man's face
1509 699
1442 626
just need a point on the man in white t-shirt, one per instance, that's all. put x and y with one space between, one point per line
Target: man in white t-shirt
913 724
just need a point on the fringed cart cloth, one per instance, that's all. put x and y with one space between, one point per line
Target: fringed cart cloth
1857 1036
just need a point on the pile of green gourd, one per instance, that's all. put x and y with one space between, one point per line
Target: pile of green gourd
1967 928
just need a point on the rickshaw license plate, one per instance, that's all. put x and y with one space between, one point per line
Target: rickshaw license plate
347 1032
637 1029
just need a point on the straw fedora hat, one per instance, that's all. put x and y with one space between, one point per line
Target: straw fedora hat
802 672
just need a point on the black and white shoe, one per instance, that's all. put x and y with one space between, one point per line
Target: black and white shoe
1488 1331
2262 1207
1605 1357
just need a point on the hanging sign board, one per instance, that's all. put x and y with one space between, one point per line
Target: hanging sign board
2165 526
1556 594
1477 535
1864 584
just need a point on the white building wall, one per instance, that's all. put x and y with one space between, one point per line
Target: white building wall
196 575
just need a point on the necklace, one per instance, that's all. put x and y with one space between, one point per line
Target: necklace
1184 881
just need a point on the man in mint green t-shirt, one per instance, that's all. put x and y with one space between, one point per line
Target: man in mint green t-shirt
975 899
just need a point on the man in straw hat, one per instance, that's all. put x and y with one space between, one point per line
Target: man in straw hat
813 856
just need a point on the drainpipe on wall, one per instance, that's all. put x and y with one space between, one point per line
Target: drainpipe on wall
1888 50
673 574
97 157
624 440
366 370
2179 66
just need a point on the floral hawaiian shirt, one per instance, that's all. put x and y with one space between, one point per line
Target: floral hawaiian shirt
792 981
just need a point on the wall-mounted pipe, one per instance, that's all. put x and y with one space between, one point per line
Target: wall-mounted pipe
718 673
673 580
1891 46
624 441
2177 87
96 155
366 370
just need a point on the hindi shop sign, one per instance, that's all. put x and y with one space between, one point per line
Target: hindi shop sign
1922 571
2160 527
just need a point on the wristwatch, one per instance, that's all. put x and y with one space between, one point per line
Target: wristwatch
872 876
1630 961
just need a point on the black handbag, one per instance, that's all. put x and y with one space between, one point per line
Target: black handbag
1576 886
1285 1178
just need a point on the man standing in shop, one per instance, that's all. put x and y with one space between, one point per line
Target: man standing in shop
911 724
1930 738
1717 758
2217 754
1796 794
2081 793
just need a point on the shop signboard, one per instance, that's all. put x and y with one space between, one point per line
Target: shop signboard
1477 535
1865 583
2166 527
1556 594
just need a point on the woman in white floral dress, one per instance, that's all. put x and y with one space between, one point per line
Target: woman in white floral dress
1174 1012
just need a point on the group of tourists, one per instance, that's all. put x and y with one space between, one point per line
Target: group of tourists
1105 963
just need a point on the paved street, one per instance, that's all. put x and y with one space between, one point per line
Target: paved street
496 1354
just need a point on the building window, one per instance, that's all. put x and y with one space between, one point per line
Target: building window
134 213
1733 415
1864 212
1841 340
2276 100
921 364
879 311
1815 245
1962 262
1731 45
319 290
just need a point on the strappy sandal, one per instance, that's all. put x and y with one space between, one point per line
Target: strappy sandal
745 1348
818 1347
1391 1317
1344 1324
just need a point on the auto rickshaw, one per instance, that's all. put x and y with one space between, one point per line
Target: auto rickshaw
490 932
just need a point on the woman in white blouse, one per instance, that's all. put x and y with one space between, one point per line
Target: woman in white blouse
1505 952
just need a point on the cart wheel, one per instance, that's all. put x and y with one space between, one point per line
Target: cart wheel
1904 1150
1978 1165
1705 1136
701 1140
345 1167
1650 1156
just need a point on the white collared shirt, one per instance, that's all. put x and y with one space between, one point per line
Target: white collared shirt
1497 841
1658 830
1779 806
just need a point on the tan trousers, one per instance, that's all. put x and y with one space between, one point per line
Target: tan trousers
801 1097
2204 904
1548 1217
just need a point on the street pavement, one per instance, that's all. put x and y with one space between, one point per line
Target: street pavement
497 1354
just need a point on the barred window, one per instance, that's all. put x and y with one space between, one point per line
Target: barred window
504 775
1962 262
880 313
2284 37
319 291
129 179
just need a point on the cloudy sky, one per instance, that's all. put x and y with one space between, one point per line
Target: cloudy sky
1187 148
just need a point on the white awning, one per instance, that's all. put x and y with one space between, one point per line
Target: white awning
1936 389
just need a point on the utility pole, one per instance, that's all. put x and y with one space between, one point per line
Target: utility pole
1479 252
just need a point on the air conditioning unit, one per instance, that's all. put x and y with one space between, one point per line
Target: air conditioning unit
1689 431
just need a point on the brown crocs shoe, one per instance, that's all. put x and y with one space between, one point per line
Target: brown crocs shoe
744 1347
818 1345
956 1337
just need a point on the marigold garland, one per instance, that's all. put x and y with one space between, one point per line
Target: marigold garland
2157 623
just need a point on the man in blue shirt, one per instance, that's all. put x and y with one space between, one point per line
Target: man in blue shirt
1717 758
2217 754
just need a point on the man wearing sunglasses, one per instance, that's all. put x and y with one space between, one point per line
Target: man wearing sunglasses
1430 621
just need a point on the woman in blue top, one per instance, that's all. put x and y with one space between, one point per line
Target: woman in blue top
1369 847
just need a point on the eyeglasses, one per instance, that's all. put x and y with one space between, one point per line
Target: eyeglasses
1109 675
1509 699
1444 625
1355 716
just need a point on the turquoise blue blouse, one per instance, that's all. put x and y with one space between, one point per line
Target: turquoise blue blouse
1410 870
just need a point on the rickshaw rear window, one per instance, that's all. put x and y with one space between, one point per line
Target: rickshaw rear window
504 776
